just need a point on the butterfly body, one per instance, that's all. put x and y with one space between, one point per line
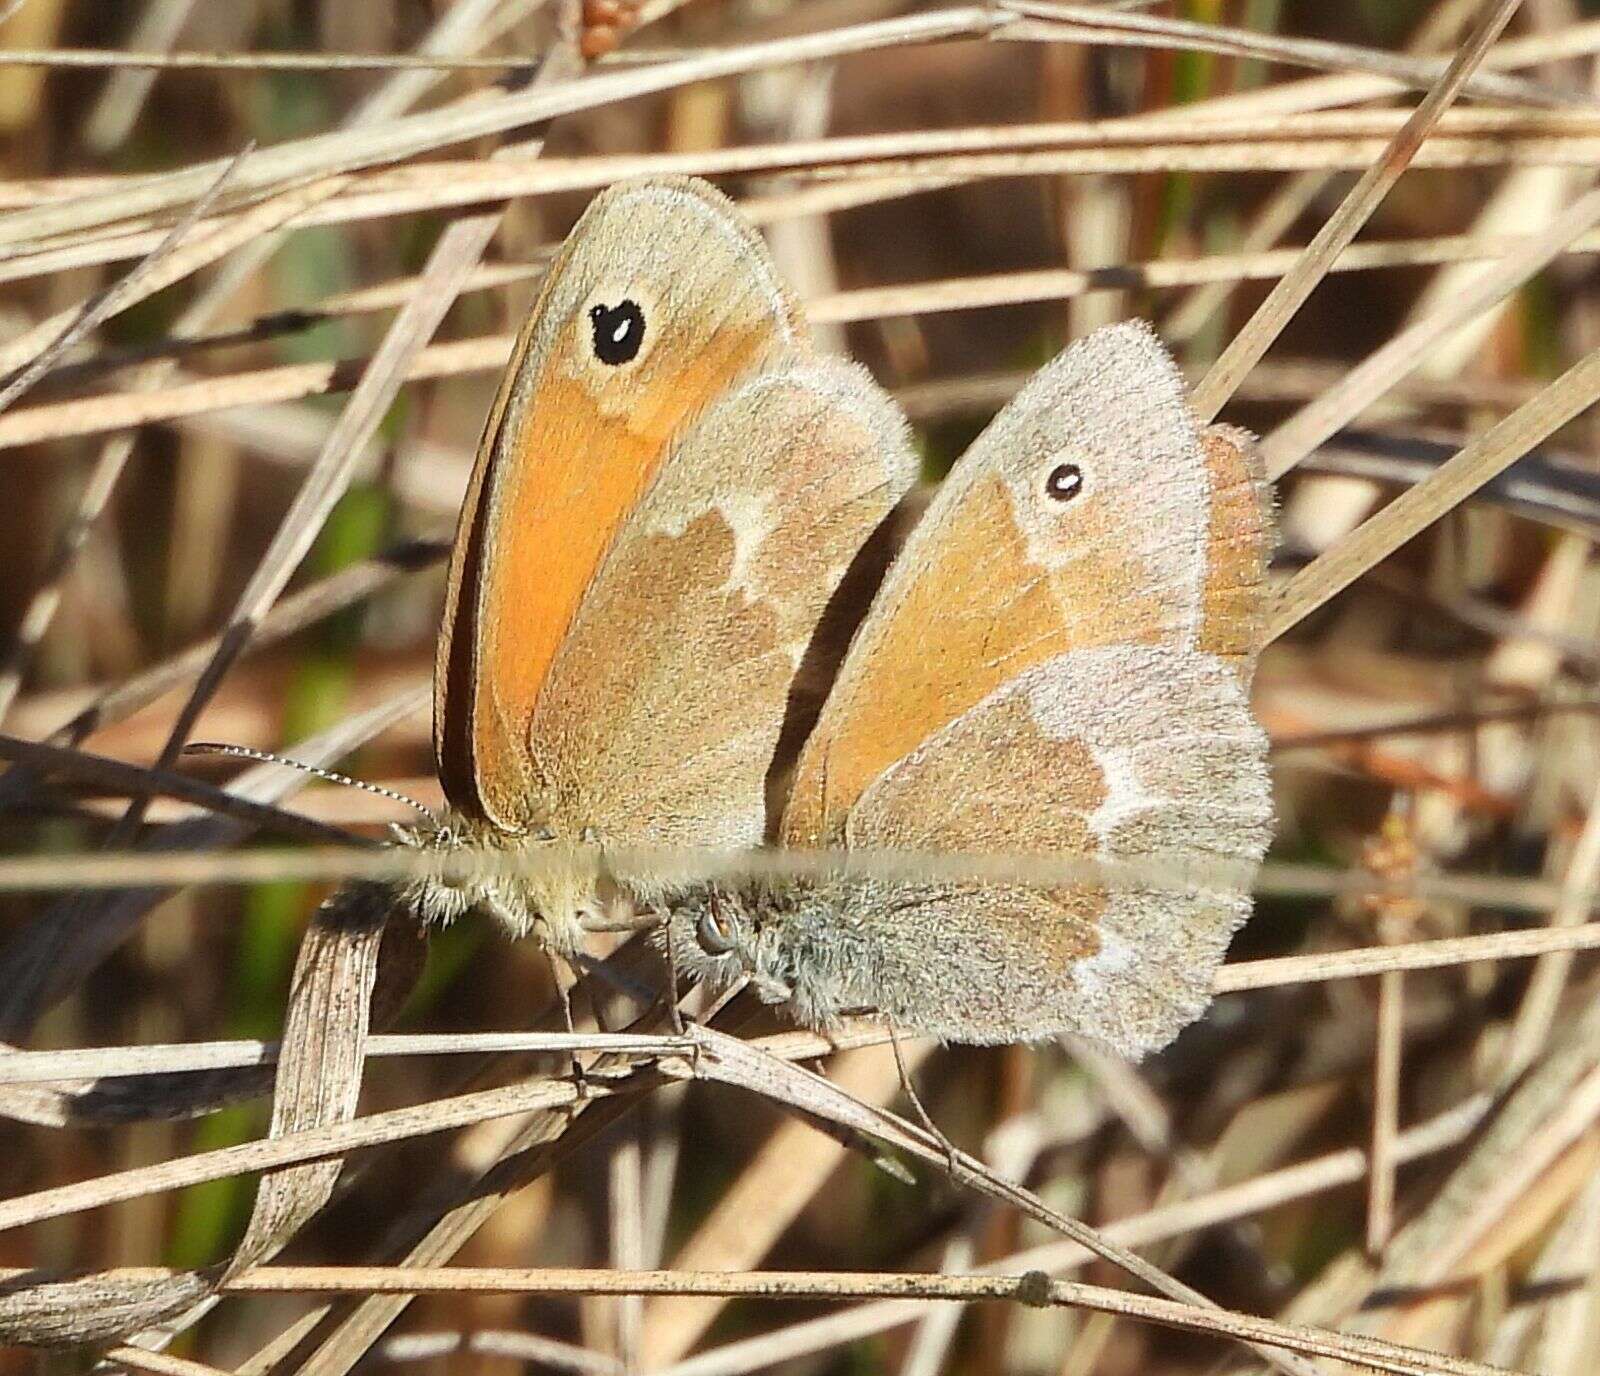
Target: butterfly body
484 871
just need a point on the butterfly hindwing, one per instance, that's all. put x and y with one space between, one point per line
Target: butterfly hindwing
663 707
1116 753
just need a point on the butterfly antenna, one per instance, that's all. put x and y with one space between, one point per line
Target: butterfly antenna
332 776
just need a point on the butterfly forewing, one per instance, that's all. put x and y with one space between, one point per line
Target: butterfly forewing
1080 517
660 300
1056 666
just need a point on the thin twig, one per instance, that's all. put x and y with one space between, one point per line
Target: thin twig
1385 1109
1418 507
100 58
1032 1288
1247 347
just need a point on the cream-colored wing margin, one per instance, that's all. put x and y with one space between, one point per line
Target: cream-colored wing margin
659 719
1122 753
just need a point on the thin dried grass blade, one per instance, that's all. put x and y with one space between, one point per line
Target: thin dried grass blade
329 1342
141 781
294 613
117 1100
1562 1086
260 230
1322 417
1252 342
854 170
159 1363
92 1309
114 58
24 1067
321 1059
1231 1203
1415 509
305 1146
318 1080
785 1174
113 115
453 257
194 397
171 261
252 231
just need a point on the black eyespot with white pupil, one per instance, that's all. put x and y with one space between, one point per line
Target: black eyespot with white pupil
1064 483
618 332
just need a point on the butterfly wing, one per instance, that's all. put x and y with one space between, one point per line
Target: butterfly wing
1116 753
662 709
1239 539
1057 664
1093 511
659 301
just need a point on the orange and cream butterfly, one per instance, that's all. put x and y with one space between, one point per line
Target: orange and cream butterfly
670 486
1058 663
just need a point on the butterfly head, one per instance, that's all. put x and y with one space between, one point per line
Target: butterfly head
801 943
529 884
721 934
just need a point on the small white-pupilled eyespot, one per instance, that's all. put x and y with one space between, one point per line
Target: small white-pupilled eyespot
1064 482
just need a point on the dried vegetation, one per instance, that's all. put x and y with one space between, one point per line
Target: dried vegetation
260 262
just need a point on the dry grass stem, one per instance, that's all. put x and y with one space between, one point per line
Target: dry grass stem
1415 509
253 62
1250 344
409 135
1376 1151
1032 1289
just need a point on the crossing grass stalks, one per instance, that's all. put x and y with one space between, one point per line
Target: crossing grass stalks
259 266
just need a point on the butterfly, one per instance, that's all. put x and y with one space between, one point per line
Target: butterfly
670 486
1057 664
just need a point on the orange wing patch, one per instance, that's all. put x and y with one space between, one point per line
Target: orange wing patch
571 477
623 735
942 648
973 612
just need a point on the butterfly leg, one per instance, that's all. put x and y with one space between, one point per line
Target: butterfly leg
952 1153
674 1013
564 976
